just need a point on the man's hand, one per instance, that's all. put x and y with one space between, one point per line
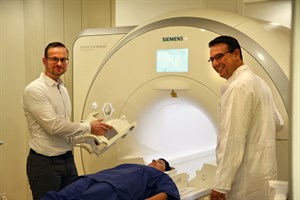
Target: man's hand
214 195
99 128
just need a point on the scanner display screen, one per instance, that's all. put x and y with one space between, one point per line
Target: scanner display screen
172 60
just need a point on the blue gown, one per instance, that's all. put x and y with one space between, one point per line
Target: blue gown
124 182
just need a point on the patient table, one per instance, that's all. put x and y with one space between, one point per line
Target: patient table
198 187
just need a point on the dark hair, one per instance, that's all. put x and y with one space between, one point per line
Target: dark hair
231 42
168 168
53 45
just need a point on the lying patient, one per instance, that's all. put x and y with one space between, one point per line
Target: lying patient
126 182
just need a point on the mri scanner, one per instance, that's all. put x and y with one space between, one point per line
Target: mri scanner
157 75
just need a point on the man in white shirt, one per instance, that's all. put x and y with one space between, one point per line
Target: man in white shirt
47 107
248 120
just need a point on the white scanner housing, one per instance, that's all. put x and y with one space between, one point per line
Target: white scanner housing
123 66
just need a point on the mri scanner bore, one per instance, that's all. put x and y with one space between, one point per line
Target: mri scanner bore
120 66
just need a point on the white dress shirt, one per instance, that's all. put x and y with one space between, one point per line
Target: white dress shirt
47 108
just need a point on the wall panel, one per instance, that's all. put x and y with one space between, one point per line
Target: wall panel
72 27
12 124
26 27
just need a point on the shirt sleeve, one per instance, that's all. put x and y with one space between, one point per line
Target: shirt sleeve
161 182
169 187
37 103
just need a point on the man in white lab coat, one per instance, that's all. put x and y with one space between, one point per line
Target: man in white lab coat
248 120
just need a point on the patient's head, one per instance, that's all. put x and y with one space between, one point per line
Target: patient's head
160 164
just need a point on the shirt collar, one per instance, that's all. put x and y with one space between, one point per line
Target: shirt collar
50 81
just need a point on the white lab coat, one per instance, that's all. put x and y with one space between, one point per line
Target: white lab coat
245 151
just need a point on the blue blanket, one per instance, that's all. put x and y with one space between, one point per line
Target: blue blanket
126 182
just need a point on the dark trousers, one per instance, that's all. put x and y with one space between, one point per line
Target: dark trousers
49 173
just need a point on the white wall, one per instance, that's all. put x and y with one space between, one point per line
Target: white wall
12 124
26 27
135 12
277 11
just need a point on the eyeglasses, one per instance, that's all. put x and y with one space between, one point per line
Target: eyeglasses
56 60
218 56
